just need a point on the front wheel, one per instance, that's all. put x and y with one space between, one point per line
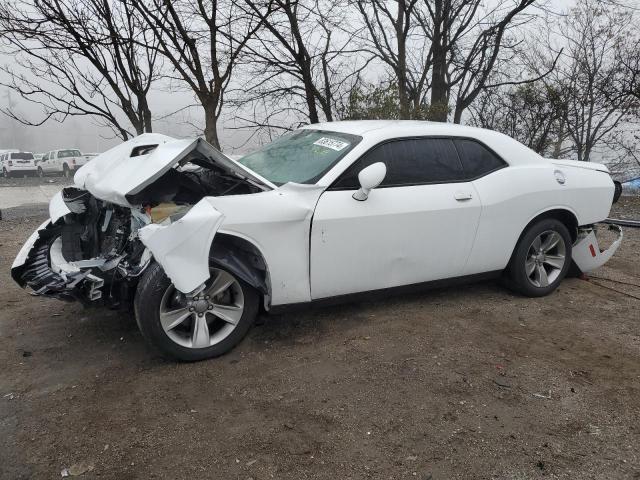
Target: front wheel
541 259
194 328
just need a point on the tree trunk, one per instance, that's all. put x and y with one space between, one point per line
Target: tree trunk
557 147
145 114
457 114
211 128
401 71
311 103
439 96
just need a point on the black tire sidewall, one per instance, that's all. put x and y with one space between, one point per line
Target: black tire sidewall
517 272
151 289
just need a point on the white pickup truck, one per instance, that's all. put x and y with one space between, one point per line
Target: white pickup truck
64 161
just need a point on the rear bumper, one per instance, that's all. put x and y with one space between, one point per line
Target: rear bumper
22 168
586 252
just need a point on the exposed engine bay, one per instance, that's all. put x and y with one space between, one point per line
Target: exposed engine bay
93 252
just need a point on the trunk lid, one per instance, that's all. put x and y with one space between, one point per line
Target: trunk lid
577 164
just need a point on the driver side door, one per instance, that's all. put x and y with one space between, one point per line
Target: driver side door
418 225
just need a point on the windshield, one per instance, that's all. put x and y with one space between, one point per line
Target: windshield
303 156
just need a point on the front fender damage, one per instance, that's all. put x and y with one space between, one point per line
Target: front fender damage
182 247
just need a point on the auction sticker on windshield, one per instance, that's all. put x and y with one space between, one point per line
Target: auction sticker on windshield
331 143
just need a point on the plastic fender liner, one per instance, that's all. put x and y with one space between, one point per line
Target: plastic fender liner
232 260
182 247
586 252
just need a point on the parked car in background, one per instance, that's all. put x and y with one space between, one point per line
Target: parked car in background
63 161
17 163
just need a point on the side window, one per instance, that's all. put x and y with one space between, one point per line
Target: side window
412 161
477 160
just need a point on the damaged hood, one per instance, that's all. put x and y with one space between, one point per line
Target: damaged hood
131 166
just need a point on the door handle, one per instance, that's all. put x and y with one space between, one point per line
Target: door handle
462 196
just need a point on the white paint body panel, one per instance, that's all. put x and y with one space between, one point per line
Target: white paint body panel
182 247
398 236
113 175
278 224
513 196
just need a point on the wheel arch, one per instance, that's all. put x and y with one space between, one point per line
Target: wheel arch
244 258
564 215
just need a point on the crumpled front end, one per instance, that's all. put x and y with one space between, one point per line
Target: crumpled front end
103 233
86 251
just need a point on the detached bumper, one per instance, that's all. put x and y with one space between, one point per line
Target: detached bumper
586 251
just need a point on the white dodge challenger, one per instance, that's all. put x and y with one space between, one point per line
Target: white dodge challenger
200 244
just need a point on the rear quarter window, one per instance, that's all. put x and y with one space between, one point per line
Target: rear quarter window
477 160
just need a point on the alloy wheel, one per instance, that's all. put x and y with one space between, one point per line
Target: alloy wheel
207 318
545 259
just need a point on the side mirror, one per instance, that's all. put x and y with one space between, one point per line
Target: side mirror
370 178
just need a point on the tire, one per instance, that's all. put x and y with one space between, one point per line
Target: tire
40 172
156 294
66 172
534 272
5 173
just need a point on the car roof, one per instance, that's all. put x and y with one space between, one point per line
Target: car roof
397 127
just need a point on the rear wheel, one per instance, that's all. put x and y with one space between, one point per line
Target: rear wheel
541 258
205 326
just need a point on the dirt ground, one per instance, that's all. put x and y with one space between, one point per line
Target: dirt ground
467 382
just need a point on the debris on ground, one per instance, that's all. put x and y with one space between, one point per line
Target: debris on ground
77 469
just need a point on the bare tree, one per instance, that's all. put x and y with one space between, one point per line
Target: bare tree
391 35
530 113
80 58
589 75
484 47
302 64
203 41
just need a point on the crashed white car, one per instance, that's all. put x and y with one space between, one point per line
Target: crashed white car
201 244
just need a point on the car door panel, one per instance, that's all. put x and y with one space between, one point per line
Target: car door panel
398 236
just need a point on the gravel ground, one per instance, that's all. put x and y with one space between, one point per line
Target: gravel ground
33 181
467 382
